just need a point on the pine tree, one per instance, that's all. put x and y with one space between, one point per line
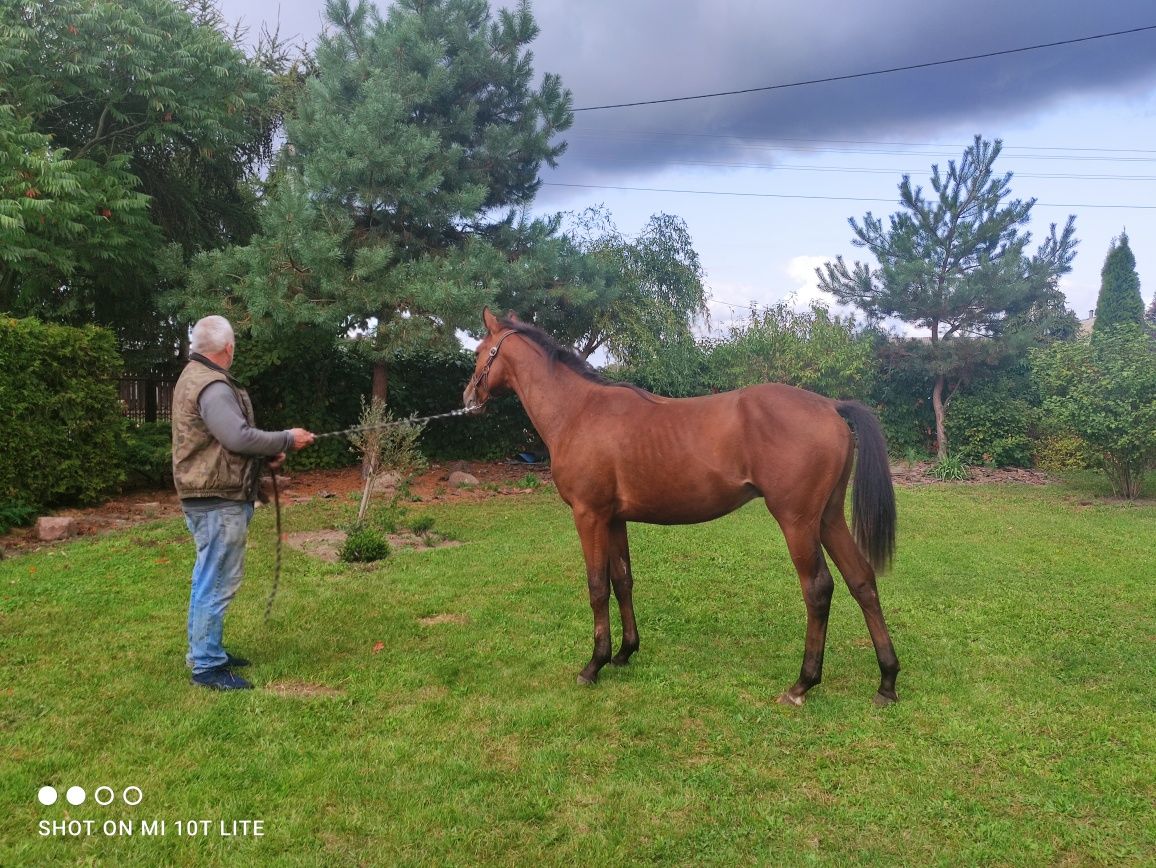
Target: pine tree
395 209
956 264
1119 302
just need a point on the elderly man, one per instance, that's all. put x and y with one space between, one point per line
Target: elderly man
217 460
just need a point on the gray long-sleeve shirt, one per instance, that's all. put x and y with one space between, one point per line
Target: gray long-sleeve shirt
226 422
222 414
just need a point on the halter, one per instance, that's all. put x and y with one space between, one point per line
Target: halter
482 377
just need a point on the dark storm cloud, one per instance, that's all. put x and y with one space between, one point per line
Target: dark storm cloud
611 51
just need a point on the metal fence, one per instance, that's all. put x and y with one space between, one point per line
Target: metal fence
147 398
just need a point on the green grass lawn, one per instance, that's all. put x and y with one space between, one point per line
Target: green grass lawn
1024 618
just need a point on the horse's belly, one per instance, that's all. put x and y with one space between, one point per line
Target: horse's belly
683 505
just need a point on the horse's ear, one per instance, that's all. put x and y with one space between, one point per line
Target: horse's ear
513 317
491 321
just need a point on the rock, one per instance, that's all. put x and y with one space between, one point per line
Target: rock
387 481
50 528
460 478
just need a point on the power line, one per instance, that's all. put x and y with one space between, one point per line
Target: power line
867 170
762 140
855 75
801 195
1079 155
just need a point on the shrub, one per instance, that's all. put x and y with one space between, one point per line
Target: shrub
148 454
62 431
364 545
814 350
992 426
385 444
901 394
422 524
1104 390
15 513
950 469
1064 451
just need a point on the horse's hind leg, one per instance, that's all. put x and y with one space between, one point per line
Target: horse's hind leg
594 531
817 584
860 578
623 582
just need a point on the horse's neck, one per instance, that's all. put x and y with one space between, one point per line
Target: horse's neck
552 395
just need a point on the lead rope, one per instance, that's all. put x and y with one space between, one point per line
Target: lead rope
462 411
277 497
277 555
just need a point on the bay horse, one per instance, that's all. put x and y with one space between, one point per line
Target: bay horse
620 454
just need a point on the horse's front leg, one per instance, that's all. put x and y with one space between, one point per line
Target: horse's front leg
594 531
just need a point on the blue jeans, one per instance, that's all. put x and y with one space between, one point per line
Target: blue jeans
220 535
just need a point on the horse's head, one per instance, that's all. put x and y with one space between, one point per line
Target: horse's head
491 373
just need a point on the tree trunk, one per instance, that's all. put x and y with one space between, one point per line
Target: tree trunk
380 382
378 392
940 424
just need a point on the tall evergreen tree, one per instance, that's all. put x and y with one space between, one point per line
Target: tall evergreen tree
396 207
1119 302
956 264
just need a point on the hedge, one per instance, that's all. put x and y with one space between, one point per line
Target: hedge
309 380
61 438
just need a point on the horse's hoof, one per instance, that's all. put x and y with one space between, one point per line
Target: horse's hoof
881 701
619 660
789 698
586 680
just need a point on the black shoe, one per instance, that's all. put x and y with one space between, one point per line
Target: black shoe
220 679
232 662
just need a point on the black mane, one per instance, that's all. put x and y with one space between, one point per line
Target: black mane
558 354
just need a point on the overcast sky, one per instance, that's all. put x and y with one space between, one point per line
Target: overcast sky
766 181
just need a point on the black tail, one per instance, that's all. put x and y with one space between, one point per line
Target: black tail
873 497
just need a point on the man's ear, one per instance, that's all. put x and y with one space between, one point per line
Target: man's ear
491 321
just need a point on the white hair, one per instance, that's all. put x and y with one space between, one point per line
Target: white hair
211 335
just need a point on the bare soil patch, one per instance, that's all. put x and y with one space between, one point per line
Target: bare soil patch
326 544
444 618
302 689
495 479
920 473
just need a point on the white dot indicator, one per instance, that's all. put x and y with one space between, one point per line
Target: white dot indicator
75 795
132 795
47 795
104 796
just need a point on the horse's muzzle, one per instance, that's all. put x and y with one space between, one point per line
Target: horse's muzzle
470 400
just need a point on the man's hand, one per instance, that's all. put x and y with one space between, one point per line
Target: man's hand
301 438
276 461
